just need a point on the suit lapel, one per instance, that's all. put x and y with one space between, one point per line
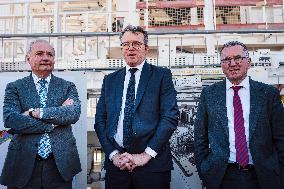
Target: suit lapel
222 108
255 104
118 86
52 88
143 82
32 92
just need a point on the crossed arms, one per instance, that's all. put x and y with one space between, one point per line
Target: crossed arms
17 119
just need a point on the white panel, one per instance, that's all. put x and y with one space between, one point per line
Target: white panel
278 14
269 15
256 15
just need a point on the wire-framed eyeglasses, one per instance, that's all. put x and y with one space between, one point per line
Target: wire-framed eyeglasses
237 59
135 44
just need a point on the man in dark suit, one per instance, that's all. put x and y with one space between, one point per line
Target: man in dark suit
239 129
40 109
135 118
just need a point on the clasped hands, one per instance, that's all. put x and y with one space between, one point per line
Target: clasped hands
129 162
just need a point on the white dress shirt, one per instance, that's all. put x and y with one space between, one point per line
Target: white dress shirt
119 134
244 94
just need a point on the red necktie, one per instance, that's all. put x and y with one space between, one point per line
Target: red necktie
240 135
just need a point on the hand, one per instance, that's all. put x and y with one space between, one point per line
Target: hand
36 113
68 102
135 160
116 159
141 159
26 113
123 161
127 162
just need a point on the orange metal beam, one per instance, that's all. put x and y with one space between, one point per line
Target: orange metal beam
221 27
220 3
274 2
170 4
200 3
185 27
248 2
250 26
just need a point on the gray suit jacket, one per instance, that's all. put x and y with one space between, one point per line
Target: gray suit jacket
266 135
19 97
155 115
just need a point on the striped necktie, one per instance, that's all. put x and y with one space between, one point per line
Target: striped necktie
240 136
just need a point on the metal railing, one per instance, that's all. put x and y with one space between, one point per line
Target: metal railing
86 49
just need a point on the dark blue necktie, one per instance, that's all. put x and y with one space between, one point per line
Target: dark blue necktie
128 110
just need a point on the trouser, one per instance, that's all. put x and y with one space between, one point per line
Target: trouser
45 175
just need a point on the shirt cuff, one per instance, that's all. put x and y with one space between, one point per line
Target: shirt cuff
112 154
40 113
150 152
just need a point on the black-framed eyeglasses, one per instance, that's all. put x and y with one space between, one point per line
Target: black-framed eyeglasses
135 44
237 59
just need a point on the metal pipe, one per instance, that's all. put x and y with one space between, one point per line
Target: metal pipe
264 14
146 16
169 52
32 1
283 10
157 63
177 32
97 46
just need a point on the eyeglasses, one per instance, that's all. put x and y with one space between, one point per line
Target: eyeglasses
135 44
42 53
237 59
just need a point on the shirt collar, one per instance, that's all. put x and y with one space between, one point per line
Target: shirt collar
244 83
36 78
139 67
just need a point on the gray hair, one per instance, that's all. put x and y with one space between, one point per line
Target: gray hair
136 30
39 41
235 43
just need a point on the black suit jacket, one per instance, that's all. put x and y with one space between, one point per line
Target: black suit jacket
155 115
266 135
22 95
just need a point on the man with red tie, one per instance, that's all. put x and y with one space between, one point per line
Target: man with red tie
239 129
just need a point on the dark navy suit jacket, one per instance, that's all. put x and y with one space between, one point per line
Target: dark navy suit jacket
266 135
155 115
22 95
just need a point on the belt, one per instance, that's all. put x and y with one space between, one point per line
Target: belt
235 165
39 158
